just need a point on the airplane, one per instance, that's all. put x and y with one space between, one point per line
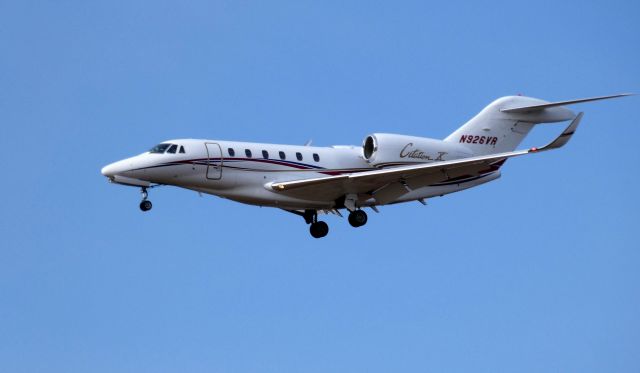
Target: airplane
387 169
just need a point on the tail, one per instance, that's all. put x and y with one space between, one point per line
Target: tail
503 124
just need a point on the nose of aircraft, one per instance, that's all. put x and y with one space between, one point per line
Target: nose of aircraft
108 170
116 168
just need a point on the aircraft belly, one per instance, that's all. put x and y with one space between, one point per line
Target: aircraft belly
262 197
248 187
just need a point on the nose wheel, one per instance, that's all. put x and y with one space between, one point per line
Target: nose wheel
145 204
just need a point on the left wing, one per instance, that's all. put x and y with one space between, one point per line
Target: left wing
333 187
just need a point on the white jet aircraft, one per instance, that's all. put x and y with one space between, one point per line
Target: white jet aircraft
386 169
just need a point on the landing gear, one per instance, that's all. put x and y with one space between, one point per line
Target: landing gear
319 229
145 205
357 218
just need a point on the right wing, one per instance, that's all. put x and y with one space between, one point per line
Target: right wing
368 182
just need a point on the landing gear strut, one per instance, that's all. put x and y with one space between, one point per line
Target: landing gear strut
318 229
145 204
357 218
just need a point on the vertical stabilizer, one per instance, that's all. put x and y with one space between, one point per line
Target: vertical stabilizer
494 130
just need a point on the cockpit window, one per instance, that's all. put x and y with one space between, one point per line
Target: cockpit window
181 149
173 149
160 148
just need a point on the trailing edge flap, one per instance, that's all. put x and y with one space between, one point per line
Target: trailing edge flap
436 172
539 107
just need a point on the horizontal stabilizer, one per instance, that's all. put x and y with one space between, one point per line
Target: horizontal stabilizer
539 107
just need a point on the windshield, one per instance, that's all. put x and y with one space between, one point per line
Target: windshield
160 148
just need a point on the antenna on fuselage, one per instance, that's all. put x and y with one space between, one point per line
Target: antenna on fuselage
309 142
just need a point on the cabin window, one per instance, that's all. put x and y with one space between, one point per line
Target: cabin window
160 148
231 152
282 155
316 157
248 153
265 154
181 149
173 149
299 156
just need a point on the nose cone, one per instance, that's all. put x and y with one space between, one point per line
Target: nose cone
108 170
116 168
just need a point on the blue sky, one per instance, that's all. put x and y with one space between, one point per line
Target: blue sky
537 271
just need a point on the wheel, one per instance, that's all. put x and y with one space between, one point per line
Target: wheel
358 218
145 205
319 229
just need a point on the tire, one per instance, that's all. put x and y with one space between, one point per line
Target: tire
319 229
358 218
146 205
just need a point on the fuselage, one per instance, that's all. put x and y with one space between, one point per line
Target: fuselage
243 171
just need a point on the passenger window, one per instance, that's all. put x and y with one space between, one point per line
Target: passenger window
182 149
248 153
173 149
316 157
299 156
265 154
231 152
282 155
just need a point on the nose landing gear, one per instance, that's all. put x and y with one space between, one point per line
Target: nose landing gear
145 204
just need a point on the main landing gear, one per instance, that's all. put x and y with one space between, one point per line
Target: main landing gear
357 218
318 229
145 204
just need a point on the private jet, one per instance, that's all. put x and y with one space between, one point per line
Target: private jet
387 169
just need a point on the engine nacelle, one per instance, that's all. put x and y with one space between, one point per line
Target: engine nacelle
386 149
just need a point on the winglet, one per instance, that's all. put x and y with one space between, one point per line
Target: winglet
564 137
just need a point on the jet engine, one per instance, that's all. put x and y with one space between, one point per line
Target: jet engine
385 150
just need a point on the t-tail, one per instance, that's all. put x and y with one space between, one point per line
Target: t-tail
503 124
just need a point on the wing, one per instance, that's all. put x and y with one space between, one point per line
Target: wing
368 182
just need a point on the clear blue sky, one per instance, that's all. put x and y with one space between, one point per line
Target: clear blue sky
538 271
